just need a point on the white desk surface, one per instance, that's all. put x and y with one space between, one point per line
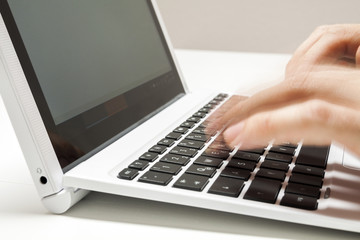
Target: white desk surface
102 215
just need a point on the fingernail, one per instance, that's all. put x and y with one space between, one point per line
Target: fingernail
232 134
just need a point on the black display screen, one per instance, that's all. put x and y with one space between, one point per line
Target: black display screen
96 68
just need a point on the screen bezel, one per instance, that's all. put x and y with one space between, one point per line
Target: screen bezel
162 91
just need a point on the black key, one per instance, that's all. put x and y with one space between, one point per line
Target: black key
156 178
204 124
263 190
209 161
194 119
298 201
306 179
199 114
304 190
139 164
166 168
157 149
223 95
309 170
283 150
204 110
275 165
210 106
174 135
279 157
220 146
189 152
148 156
218 98
128 174
207 131
247 156
199 130
166 142
216 153
255 150
176 159
227 187
191 144
181 130
201 170
313 156
236 173
270 173
214 102
191 182
240 163
187 124
198 137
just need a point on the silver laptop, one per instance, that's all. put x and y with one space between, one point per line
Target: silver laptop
98 104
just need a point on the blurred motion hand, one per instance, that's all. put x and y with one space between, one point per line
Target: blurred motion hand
318 102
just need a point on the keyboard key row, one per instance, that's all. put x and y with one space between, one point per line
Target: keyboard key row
302 187
179 156
176 159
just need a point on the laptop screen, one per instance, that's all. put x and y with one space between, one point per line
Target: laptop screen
97 69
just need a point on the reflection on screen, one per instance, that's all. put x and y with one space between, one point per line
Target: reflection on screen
87 52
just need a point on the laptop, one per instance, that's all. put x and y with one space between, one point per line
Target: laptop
98 103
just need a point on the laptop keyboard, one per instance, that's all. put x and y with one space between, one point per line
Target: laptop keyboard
261 173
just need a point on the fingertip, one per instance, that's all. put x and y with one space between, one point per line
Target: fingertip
233 134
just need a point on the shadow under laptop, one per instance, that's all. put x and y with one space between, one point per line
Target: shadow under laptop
106 207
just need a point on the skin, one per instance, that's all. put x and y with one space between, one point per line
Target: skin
318 101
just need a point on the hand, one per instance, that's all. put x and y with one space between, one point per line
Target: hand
318 102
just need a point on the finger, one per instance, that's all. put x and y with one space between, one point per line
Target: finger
310 41
342 39
334 84
226 107
315 121
331 46
328 43
216 120
270 98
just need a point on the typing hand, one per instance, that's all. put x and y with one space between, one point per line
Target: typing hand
319 100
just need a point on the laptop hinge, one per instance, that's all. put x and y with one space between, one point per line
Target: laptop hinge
61 201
